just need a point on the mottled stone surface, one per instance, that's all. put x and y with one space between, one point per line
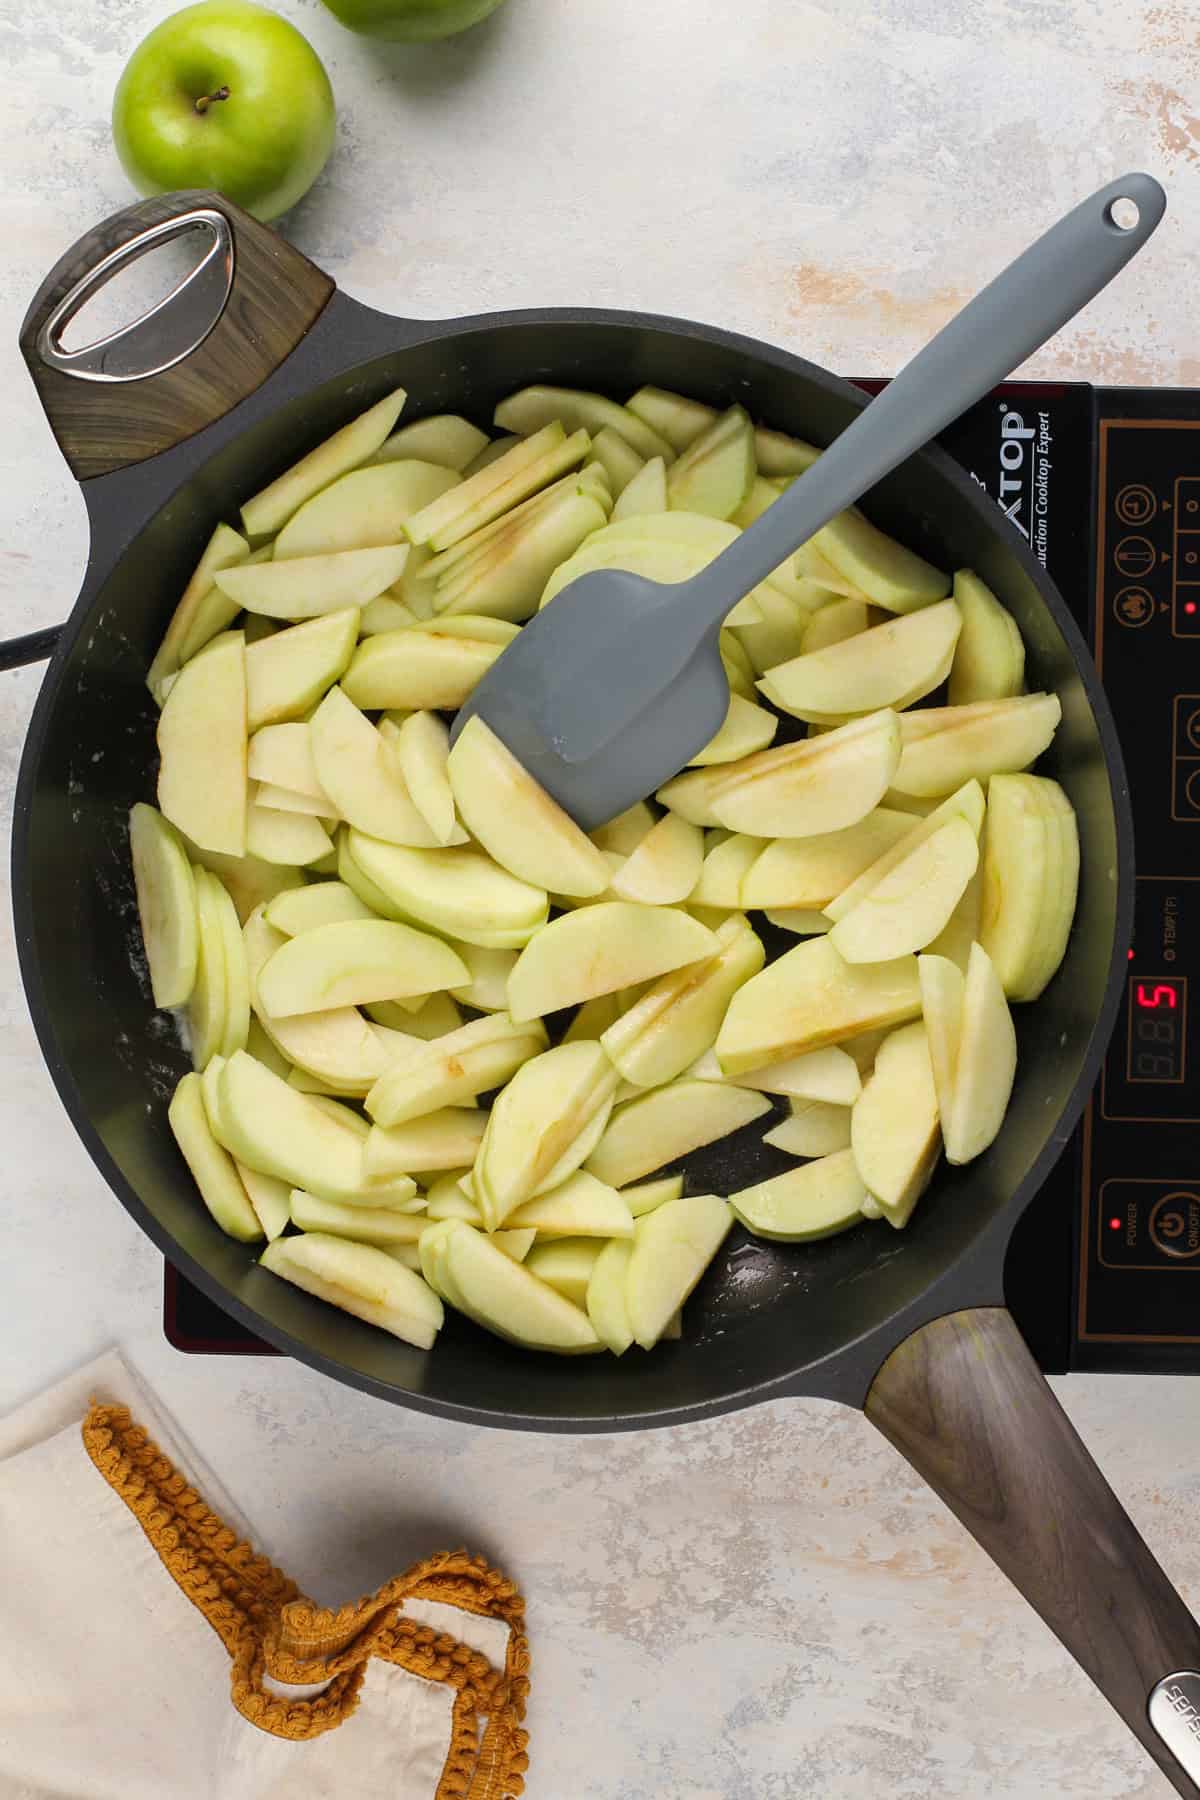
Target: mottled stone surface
771 1606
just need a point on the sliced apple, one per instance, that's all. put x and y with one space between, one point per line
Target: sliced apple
989 661
202 612
166 897
908 908
445 1139
202 747
810 997
364 510
425 668
504 483
261 1046
212 1168
1030 881
353 444
537 1132
813 1128
207 1015
298 910
829 1075
273 1128
361 1280
503 1297
421 747
747 728
286 674
623 834
668 1122
378 1225
444 438
487 989
249 881
967 803
445 1199
387 613
460 892
942 991
714 474
952 744
516 821
679 1016
664 868
432 1018
887 573
596 1015
645 1196
738 671
605 1295
566 1265
810 872
955 939
362 778
891 664
987 1062
351 962
506 580
309 587
533 408
815 1201
276 799
724 870
776 638
291 838
645 494
836 623
801 920
894 1130
599 949
270 1199
672 1248
581 1206
674 417
236 1025
450 1070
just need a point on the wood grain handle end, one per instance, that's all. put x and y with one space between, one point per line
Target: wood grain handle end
964 1401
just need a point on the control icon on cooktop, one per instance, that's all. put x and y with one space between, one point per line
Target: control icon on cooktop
1135 504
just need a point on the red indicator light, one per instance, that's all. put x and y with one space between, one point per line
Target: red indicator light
1131 956
1160 995
1114 1224
1189 606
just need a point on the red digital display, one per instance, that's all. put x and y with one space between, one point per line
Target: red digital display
1157 1029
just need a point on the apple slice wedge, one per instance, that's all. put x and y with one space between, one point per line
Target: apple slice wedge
581 1206
675 417
1030 881
665 867
443 438
166 897
814 1128
507 577
815 1201
361 1280
605 1295
886 572
668 1122
298 910
290 838
206 1004
460 892
809 872
364 510
378 1225
516 821
942 991
542 1126
532 408
715 473
967 803
487 989
913 902
989 659
425 668
212 1168
672 1248
310 587
986 1066
679 1015
494 490
503 1297
599 949
362 778
453 1069
286 674
421 746
747 728
349 963
945 746
616 456
202 612
645 494
270 1199
894 1128
566 1265
623 834
353 444
644 1196
447 1138
202 748
829 1075
272 1127
811 997
728 859
892 664
236 1025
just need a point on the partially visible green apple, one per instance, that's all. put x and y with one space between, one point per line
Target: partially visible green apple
225 95
411 20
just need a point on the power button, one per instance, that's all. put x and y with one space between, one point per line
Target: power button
1174 1224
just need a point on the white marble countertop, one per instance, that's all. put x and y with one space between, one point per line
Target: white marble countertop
769 1605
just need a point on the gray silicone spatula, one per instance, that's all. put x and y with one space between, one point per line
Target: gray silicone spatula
613 688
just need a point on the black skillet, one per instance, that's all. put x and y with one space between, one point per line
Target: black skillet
912 1328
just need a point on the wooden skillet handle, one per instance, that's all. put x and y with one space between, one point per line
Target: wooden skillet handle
963 1400
181 366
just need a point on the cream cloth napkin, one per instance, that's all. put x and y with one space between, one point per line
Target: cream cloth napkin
148 1653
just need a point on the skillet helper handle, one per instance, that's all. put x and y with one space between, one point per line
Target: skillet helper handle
964 1401
186 361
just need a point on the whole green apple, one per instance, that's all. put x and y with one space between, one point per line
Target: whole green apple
225 95
412 20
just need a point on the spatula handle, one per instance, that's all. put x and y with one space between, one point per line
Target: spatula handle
963 1400
1013 316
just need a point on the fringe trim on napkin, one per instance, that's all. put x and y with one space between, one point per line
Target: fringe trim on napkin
270 1629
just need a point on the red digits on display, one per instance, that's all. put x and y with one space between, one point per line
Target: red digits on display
1158 996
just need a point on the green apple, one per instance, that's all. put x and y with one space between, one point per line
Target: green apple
229 96
412 20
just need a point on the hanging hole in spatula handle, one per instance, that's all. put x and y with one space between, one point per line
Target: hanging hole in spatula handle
225 327
964 1401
